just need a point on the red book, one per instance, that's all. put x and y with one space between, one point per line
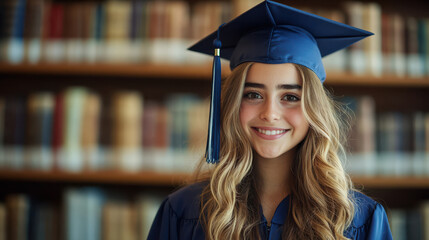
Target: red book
56 21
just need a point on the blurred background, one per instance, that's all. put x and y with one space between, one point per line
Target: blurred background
103 111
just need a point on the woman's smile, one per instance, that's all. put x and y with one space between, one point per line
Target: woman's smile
269 133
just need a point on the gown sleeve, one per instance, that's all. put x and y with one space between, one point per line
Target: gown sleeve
164 226
376 227
379 226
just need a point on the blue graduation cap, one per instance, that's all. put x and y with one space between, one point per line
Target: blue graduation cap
271 33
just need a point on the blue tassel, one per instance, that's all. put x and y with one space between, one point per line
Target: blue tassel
213 138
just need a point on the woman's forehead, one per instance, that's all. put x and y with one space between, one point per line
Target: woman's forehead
274 74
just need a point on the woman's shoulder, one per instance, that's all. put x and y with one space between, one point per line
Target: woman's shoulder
185 202
366 209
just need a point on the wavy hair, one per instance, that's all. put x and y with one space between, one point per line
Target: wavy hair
321 206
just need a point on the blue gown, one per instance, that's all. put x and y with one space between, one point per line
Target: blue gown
178 218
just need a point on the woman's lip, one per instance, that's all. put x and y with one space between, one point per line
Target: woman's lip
272 136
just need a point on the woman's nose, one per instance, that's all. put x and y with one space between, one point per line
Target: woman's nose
270 111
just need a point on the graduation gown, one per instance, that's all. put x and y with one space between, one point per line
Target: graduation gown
178 218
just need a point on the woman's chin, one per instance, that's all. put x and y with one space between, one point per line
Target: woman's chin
268 155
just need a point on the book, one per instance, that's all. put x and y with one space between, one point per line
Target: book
117 31
83 209
397 220
398 56
2 133
39 134
147 206
71 154
17 206
422 35
106 132
15 131
425 219
418 160
57 129
127 135
90 132
119 219
2 221
372 46
361 139
415 66
356 59
33 31
15 43
74 27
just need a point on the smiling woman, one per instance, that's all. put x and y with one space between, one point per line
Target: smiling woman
278 174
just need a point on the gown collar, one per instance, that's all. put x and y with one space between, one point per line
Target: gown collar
281 212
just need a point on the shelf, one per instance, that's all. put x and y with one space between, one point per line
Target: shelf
381 81
174 179
189 71
392 182
97 177
202 71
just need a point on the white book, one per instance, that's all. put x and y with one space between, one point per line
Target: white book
398 57
74 51
71 155
357 58
34 50
53 51
397 220
147 207
372 45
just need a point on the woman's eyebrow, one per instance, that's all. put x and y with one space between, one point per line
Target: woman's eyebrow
289 86
280 86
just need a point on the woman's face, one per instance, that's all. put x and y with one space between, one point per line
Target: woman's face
270 110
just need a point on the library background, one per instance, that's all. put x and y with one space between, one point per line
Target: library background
103 111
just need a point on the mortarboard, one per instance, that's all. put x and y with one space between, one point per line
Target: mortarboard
271 33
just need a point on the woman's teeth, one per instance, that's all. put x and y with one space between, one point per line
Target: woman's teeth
271 132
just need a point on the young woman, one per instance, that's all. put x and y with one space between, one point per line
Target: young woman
279 175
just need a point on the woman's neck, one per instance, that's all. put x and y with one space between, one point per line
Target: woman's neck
274 175
274 181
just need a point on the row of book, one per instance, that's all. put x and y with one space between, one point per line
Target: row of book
398 46
78 129
87 213
411 223
93 214
108 31
386 143
160 31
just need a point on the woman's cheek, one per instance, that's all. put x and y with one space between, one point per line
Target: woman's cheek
246 114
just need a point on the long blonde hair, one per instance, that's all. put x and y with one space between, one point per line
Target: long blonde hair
320 208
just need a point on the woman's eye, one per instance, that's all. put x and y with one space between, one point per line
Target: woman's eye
291 98
252 95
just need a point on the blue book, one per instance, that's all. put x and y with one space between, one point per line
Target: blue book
15 51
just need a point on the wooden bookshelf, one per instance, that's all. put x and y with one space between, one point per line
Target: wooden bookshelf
174 179
392 182
97 177
197 72
202 71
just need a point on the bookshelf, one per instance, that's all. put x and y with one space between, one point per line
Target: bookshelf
193 72
145 178
156 79
165 179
